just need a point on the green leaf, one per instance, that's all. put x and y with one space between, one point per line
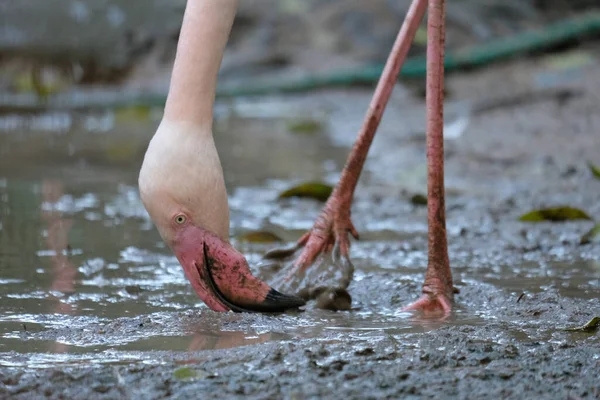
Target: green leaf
595 170
121 150
592 235
591 326
569 60
419 200
554 214
133 113
185 373
305 126
31 82
421 35
260 237
314 190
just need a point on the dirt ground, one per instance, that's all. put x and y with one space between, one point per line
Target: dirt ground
521 284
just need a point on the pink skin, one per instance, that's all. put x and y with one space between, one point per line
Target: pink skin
220 274
189 250
230 270
181 179
333 225
438 290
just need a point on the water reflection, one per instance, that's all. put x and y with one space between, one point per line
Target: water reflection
79 256
57 239
226 340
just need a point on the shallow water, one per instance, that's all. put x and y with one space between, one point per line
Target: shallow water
78 250
85 278
76 245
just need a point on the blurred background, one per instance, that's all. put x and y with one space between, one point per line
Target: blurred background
61 43
112 55
121 42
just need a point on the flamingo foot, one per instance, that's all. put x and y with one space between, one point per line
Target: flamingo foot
330 233
432 305
331 229
438 293
438 290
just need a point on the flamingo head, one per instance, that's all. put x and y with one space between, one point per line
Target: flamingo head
182 188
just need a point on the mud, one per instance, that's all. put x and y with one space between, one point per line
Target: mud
94 306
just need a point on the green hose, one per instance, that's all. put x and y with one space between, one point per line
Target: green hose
552 35
549 36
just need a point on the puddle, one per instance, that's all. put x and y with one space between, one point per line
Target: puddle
80 260
85 278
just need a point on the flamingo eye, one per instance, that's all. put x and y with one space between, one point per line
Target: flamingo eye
180 219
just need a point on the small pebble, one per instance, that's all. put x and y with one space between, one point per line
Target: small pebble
334 299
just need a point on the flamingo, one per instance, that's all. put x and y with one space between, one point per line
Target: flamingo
182 186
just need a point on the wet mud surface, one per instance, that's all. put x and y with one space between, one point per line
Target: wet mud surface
93 305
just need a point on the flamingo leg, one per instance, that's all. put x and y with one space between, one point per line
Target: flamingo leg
333 225
438 289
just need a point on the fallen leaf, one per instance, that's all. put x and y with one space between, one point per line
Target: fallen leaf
32 82
592 235
305 126
554 214
133 113
591 326
280 253
121 150
421 35
419 200
313 190
595 170
133 289
260 237
185 373
569 60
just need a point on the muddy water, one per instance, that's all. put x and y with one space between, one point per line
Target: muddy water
77 247
78 251
86 282
86 279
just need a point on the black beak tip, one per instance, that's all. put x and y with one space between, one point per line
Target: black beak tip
278 302
274 301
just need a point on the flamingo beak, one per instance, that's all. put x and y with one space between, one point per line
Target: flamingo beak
220 275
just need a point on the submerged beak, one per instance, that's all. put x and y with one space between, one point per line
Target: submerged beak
221 276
